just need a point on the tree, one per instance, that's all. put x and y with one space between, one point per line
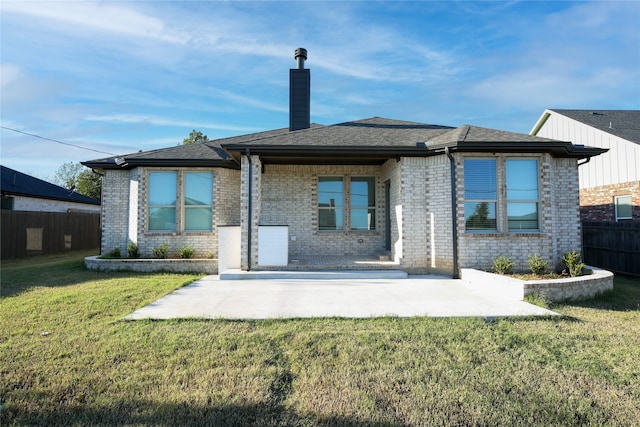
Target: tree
194 137
89 184
67 174
74 176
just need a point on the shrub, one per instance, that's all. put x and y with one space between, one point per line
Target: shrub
161 252
187 252
133 250
114 253
573 262
537 265
503 265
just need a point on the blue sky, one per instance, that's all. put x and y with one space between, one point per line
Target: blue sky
120 76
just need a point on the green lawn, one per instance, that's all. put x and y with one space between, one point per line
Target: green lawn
67 358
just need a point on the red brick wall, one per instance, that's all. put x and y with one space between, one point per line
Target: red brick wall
597 203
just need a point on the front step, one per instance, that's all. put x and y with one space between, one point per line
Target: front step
313 275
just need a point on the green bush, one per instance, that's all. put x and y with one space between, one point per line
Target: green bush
503 265
537 265
573 261
133 250
161 252
114 253
187 252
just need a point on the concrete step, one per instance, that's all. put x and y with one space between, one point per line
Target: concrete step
313 274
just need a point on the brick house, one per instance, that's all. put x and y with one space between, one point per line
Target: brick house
426 198
610 183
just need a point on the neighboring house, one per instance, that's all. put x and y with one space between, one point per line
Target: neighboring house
432 198
610 183
22 192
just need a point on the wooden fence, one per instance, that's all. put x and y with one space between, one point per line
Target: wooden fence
29 233
614 246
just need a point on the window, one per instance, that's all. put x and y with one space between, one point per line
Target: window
359 206
623 207
7 203
480 194
514 208
330 203
198 201
522 194
162 201
363 203
177 206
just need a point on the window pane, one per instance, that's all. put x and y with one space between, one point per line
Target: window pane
162 188
363 193
330 191
623 207
480 179
198 219
198 188
363 219
480 216
522 179
330 219
522 216
162 219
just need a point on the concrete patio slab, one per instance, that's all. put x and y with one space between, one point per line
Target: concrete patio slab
430 296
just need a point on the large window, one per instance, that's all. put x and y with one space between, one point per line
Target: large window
363 203
198 201
359 206
486 206
522 194
623 207
186 206
480 194
162 201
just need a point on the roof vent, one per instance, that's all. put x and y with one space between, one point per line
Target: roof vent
300 56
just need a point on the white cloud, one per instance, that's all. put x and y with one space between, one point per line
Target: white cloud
112 18
161 121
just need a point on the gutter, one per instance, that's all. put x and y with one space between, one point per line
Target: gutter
454 214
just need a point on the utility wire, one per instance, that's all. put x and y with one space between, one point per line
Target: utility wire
53 140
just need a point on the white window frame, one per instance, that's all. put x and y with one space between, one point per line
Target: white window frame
616 205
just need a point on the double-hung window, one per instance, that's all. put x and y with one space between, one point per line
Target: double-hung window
480 194
180 201
330 203
363 203
522 194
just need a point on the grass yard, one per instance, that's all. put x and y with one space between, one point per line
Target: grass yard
67 358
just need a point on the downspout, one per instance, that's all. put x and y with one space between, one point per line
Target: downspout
454 213
249 194
585 162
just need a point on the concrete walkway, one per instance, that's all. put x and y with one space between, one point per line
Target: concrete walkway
251 298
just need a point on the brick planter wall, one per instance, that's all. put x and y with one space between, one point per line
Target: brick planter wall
145 265
570 288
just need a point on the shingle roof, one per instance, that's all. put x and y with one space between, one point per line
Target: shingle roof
17 183
367 141
621 123
473 134
372 132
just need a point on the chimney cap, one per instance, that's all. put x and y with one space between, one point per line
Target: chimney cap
300 55
300 52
